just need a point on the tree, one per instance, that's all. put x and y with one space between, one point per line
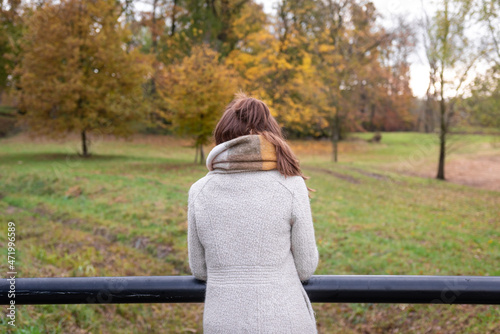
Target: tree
483 104
155 38
279 71
322 73
11 27
168 29
451 55
490 15
346 47
213 22
77 74
196 90
388 98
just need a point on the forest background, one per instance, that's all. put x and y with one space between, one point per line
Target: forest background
325 68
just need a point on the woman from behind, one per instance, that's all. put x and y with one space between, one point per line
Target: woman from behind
250 228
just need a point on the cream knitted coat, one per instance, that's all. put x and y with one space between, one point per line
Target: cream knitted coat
251 237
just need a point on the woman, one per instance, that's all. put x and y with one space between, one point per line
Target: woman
250 229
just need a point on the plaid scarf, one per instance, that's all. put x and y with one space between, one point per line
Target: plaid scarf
250 152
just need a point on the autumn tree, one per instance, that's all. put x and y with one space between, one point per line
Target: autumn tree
321 73
168 29
196 91
296 90
314 65
276 66
346 48
77 74
451 55
386 97
153 35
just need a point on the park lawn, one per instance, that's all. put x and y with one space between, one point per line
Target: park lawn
122 212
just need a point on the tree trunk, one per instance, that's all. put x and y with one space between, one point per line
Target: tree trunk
85 151
442 140
419 121
372 117
429 119
335 139
174 12
196 154
154 32
335 147
202 155
440 174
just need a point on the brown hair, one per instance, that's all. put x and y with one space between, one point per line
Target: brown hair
247 115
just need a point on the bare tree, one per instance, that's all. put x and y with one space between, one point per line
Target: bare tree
451 55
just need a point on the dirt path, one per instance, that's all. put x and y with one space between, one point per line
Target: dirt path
476 170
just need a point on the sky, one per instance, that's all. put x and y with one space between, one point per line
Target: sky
419 70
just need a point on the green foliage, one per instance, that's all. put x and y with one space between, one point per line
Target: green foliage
484 103
11 29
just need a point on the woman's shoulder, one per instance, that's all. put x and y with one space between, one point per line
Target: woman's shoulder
199 185
292 183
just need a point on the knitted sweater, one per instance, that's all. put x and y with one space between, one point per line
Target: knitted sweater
251 237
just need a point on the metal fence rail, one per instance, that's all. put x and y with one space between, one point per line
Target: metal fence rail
321 289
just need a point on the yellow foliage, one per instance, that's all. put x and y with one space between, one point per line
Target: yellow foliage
196 90
76 73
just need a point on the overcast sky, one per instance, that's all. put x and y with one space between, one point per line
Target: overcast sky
389 9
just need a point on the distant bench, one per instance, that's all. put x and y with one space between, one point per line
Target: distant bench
405 289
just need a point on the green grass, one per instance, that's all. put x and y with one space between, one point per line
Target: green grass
122 212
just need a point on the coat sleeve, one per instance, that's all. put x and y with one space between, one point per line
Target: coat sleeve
303 242
196 252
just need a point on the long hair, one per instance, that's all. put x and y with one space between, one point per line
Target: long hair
247 115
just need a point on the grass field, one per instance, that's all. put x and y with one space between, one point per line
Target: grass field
122 212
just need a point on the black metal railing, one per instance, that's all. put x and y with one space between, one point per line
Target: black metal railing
186 289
